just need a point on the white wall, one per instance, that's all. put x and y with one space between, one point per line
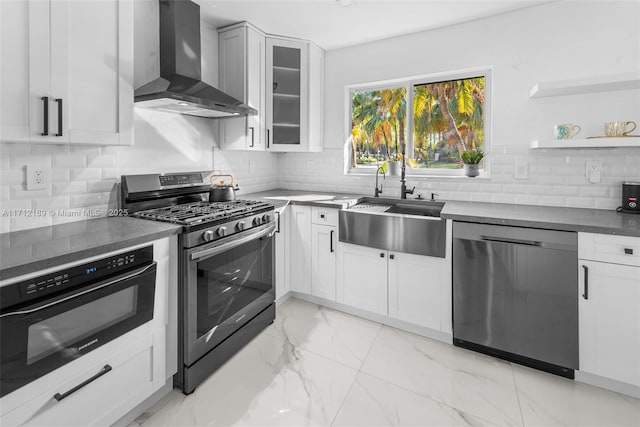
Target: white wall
560 40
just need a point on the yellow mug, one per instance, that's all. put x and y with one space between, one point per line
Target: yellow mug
618 128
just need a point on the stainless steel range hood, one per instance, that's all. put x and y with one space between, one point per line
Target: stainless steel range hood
180 88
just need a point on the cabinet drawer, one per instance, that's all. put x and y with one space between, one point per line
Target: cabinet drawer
128 382
607 248
324 216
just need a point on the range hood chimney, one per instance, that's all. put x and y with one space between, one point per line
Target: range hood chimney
180 88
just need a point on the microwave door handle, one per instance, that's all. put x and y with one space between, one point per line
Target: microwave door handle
230 244
134 273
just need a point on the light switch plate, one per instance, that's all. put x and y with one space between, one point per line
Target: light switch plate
594 172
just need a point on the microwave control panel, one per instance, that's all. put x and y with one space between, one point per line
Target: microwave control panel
62 280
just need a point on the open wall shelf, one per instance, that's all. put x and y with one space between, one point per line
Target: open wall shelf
632 141
624 81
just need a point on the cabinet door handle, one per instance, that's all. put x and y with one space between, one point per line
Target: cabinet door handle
267 138
585 295
322 216
59 101
252 135
331 241
278 229
392 256
45 124
628 251
381 254
66 394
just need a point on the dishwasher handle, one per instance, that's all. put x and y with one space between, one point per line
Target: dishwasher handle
511 241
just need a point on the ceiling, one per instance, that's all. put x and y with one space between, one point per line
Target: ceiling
332 26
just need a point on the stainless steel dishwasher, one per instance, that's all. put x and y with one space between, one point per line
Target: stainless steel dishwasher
515 294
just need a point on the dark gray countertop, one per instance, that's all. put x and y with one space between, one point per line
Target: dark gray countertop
547 217
281 198
36 249
25 251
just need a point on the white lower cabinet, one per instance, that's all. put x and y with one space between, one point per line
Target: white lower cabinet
300 223
314 234
323 261
105 384
362 278
324 236
411 288
129 380
416 287
609 307
283 253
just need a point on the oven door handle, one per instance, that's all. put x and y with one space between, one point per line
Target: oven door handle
234 242
132 274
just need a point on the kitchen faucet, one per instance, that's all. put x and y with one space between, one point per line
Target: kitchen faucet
379 190
403 180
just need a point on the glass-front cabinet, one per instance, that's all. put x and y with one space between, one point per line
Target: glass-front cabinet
287 82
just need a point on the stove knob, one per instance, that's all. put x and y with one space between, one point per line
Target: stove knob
207 236
240 226
257 221
222 231
266 218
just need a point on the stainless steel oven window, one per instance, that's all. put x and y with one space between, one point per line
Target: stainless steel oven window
56 333
232 280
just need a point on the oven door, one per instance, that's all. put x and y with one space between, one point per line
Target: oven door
227 283
40 337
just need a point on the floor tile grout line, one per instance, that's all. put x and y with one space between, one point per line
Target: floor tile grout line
357 373
515 386
417 336
324 356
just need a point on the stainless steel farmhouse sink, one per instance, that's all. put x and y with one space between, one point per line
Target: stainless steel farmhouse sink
411 226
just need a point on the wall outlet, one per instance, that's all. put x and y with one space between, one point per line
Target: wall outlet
521 169
309 165
37 177
594 172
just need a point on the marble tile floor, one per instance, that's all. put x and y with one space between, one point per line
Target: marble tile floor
319 367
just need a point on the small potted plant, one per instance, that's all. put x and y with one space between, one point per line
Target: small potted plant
471 160
393 165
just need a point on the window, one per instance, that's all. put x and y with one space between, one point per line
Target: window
449 115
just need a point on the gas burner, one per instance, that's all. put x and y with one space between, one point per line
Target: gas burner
190 214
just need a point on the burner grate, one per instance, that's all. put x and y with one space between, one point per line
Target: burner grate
202 212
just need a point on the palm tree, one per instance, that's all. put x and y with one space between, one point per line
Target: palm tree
378 117
454 109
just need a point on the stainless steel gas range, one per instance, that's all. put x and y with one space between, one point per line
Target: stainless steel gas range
226 264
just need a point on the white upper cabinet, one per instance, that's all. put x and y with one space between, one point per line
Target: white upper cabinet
242 75
294 110
66 76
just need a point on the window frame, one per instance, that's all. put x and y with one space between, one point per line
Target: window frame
409 83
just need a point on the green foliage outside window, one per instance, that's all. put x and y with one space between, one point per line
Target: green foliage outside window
448 119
